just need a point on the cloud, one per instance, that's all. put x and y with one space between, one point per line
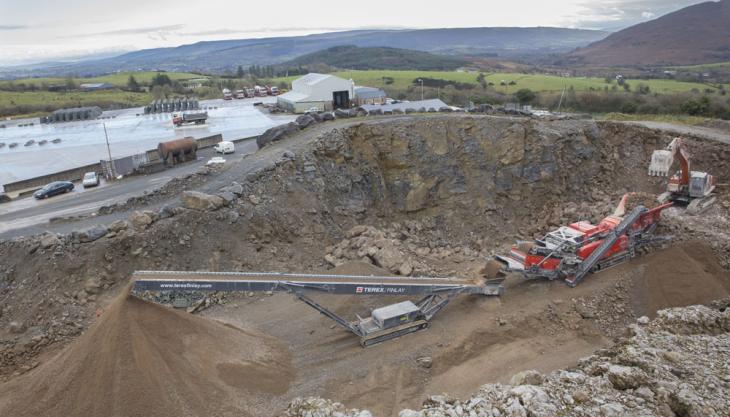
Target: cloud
13 27
284 30
140 31
619 14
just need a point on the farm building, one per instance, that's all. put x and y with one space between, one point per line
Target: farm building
369 95
96 86
321 91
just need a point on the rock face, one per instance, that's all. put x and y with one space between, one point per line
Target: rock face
675 365
202 202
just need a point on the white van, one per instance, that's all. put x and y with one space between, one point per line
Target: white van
225 147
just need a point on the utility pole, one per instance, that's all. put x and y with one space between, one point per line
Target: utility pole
560 103
421 81
109 151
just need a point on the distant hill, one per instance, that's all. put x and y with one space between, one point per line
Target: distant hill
697 34
217 56
354 57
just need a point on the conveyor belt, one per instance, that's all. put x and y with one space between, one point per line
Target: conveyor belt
334 284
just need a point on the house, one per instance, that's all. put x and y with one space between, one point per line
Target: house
96 86
368 95
321 91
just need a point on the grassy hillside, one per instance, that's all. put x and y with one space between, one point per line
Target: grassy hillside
401 80
118 79
354 57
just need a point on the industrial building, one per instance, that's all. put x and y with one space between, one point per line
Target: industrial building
368 95
321 91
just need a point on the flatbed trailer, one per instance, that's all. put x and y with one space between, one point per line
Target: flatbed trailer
384 323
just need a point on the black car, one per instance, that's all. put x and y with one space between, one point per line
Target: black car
54 188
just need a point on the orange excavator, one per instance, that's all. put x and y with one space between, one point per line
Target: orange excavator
693 189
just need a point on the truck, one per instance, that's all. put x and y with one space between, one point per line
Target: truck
179 119
240 94
250 92
227 94
272 90
260 91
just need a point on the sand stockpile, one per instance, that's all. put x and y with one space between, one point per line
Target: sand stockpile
142 359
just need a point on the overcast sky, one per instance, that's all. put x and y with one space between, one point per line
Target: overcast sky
36 30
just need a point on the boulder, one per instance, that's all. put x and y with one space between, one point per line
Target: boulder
228 197
91 234
529 377
446 109
140 220
328 116
341 114
276 133
92 285
410 110
305 120
49 240
314 115
626 377
254 199
4 198
235 188
375 112
389 257
196 200
118 226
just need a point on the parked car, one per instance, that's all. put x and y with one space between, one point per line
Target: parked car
54 188
225 147
90 180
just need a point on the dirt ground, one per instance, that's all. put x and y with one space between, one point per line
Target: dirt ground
442 194
535 325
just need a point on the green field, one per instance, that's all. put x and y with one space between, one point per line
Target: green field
72 99
118 79
535 82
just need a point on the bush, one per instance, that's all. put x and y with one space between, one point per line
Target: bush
525 95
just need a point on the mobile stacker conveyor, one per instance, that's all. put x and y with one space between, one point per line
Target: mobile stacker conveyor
384 323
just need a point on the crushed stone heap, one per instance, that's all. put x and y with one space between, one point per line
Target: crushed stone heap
142 359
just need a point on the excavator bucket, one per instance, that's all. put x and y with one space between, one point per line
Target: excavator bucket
661 163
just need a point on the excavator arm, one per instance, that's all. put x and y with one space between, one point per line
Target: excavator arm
662 161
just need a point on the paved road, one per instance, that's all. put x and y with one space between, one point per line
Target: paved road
27 216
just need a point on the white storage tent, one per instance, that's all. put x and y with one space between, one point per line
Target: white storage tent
321 91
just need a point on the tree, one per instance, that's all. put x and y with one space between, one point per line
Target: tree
481 79
132 84
525 95
160 79
70 84
239 72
